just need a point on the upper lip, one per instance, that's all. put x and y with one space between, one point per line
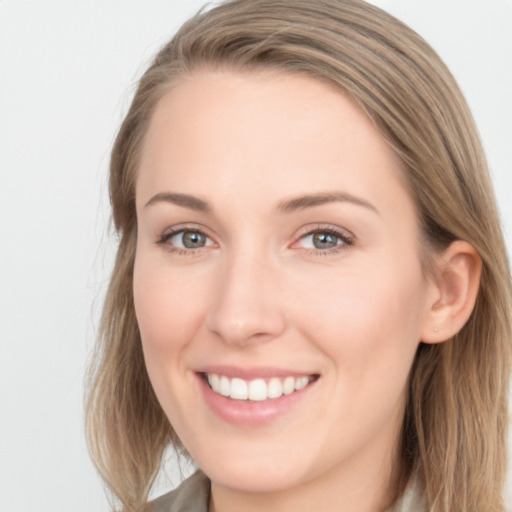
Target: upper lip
253 372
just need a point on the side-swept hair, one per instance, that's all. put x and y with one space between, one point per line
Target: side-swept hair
454 429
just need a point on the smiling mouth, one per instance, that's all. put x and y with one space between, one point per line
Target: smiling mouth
256 390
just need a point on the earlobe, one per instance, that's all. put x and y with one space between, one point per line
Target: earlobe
454 292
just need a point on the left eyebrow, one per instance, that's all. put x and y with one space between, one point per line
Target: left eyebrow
184 200
320 198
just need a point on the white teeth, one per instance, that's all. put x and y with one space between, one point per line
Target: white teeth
213 380
275 388
256 390
239 389
289 385
301 382
224 387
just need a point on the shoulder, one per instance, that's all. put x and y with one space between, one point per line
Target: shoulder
192 495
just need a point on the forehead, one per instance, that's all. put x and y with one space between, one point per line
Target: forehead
274 133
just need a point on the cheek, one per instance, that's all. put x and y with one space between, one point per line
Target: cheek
168 306
365 319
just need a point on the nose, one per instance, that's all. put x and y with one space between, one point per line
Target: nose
246 307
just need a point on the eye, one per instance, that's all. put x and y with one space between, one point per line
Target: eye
185 240
324 240
189 240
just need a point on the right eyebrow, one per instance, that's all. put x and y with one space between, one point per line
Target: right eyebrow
184 200
320 198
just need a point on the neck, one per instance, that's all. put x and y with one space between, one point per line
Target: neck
362 486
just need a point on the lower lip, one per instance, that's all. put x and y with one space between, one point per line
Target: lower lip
244 412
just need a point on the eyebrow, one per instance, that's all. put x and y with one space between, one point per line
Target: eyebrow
288 206
318 199
185 200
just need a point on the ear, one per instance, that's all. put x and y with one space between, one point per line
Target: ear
454 292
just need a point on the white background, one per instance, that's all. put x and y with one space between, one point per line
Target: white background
67 72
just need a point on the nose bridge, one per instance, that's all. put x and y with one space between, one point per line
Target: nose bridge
246 306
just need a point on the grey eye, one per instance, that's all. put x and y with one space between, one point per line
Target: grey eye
325 240
189 240
322 240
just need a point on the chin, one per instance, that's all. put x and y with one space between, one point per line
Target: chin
257 480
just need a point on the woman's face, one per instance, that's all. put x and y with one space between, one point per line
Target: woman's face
277 258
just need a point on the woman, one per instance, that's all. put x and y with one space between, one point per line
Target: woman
311 296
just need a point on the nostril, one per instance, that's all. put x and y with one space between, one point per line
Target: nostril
247 326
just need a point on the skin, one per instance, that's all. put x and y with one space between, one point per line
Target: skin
259 293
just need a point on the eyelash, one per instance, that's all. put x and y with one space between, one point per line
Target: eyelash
346 241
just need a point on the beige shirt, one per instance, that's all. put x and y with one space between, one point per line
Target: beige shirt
193 495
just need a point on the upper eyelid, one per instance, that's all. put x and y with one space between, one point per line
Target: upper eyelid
319 228
173 230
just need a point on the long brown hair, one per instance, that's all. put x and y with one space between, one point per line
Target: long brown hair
454 429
